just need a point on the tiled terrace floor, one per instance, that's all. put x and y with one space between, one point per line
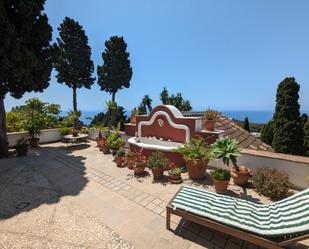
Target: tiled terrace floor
77 198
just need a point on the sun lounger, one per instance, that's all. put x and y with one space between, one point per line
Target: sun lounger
272 226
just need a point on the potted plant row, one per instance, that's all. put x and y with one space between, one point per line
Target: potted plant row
120 157
196 153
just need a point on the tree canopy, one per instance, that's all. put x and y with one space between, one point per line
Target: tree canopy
175 100
73 61
25 53
288 130
145 106
116 71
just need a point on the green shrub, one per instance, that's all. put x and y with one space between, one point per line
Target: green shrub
220 174
196 149
157 160
64 131
121 152
175 171
272 183
210 114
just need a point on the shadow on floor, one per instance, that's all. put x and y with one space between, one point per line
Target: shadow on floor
44 176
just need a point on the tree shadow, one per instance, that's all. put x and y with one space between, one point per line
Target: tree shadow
139 178
43 177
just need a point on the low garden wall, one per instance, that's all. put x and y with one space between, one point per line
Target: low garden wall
46 136
296 166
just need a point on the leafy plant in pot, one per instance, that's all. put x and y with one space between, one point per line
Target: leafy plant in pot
228 149
221 179
100 139
34 127
157 163
140 163
120 157
115 142
22 146
174 173
134 113
197 155
210 117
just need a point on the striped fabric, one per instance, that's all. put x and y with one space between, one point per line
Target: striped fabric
286 217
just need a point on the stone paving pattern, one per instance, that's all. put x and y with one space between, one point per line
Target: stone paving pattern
78 198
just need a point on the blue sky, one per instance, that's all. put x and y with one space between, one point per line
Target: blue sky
228 55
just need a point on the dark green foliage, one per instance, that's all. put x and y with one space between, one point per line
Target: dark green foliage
25 50
267 133
272 183
246 125
221 174
145 106
25 53
254 127
175 100
288 131
116 72
303 119
73 61
102 118
306 138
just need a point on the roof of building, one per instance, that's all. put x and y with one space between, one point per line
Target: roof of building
233 130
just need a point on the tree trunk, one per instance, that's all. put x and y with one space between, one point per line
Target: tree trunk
74 100
113 111
3 137
113 96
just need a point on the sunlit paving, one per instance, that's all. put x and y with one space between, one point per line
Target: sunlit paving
161 124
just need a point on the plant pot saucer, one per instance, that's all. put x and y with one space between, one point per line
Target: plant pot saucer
178 181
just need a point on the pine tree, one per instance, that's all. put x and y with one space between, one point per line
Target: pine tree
267 133
116 71
288 131
25 53
73 62
246 125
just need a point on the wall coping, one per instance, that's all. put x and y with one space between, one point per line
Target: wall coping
23 132
273 155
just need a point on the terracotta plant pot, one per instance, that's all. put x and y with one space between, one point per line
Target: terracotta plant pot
197 169
100 141
34 142
157 172
221 186
242 176
133 119
119 161
114 151
130 164
174 176
105 149
22 151
209 125
139 167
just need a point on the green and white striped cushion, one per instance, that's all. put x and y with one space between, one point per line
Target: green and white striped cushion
286 217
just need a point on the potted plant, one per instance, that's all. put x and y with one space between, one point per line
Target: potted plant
100 139
131 159
22 146
140 163
228 149
174 175
134 113
104 147
157 162
210 117
74 132
120 157
196 154
115 142
34 128
221 179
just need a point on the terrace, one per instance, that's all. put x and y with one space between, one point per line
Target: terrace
76 197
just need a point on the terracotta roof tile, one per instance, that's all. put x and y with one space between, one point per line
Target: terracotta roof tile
233 130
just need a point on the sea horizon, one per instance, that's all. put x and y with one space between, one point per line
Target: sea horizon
254 116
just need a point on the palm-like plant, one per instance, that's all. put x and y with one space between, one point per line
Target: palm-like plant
147 101
74 117
227 149
111 107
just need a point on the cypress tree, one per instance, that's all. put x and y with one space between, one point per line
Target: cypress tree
306 138
116 71
288 131
73 63
246 125
267 133
25 53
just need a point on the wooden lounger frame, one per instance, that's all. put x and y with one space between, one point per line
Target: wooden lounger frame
253 238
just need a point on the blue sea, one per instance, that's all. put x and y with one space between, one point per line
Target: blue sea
253 116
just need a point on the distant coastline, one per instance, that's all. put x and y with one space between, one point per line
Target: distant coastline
254 116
